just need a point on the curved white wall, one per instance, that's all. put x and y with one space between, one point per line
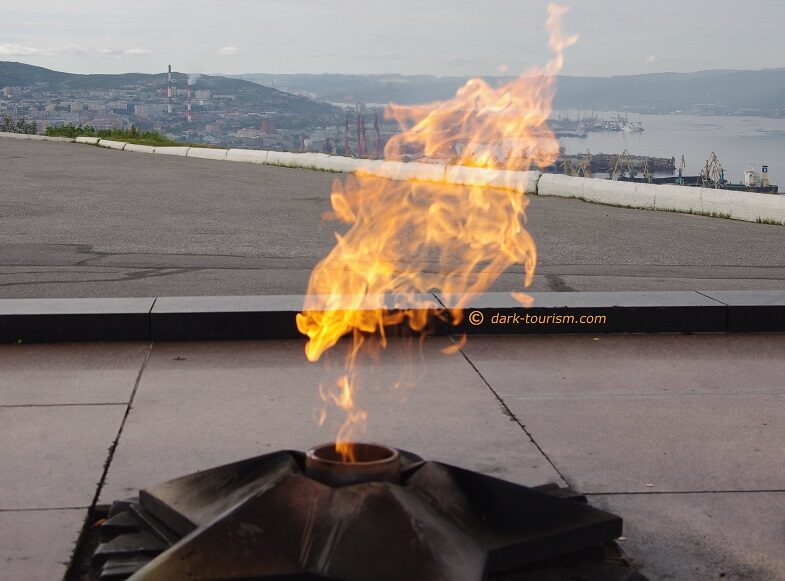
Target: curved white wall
739 205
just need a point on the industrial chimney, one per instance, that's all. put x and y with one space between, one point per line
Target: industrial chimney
169 90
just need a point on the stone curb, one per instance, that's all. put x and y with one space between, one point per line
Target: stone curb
273 317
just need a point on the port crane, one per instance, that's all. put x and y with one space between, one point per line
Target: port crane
682 165
581 168
584 169
646 173
712 174
618 164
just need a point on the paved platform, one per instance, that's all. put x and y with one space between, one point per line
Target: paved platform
83 221
680 435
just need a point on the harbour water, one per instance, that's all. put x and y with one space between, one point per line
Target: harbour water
737 141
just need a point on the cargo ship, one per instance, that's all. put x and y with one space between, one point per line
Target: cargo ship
713 176
640 169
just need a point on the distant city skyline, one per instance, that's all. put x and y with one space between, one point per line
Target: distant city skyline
346 36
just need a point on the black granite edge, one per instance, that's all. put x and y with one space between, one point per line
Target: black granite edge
752 311
75 327
255 304
238 318
75 320
271 317
226 325
593 320
592 299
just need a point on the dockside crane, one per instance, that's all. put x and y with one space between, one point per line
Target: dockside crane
712 174
682 166
646 173
346 150
377 131
617 169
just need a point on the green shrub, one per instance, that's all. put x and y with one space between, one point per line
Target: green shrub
133 134
70 130
20 126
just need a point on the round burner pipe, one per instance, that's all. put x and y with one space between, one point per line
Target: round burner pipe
373 463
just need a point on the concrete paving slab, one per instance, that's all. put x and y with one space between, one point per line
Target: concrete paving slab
694 537
645 414
205 404
68 373
36 545
587 366
660 443
53 456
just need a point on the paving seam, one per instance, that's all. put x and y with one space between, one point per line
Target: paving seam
672 492
39 509
149 327
727 309
574 396
110 456
510 413
59 405
115 443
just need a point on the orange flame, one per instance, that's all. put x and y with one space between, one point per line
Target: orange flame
407 238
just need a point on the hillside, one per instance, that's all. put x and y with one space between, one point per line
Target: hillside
760 92
335 88
13 74
19 74
754 92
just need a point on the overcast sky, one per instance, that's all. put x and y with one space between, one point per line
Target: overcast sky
441 37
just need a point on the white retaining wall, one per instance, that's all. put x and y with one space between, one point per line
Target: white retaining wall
739 205
398 170
174 150
596 190
33 137
247 155
518 181
207 153
112 144
139 148
747 206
